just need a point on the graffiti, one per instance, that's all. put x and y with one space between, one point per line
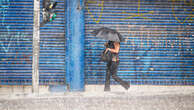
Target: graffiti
18 58
138 14
10 41
143 49
143 39
4 5
101 4
142 42
186 7
179 6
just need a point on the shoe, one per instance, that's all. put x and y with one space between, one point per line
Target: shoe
128 86
106 89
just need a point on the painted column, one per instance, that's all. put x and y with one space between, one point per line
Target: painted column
75 44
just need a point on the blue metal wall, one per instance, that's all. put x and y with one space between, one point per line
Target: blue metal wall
159 47
16 20
52 48
16 29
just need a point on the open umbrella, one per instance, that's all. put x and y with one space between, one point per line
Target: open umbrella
108 34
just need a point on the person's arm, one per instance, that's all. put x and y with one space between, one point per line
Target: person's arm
116 49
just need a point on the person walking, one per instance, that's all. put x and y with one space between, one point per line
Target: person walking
112 65
111 55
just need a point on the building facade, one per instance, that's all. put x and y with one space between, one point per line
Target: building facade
158 47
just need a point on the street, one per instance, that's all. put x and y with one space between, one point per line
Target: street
137 98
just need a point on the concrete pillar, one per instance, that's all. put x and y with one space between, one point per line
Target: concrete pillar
75 44
36 47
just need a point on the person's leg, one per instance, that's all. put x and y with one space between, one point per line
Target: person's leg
113 70
107 80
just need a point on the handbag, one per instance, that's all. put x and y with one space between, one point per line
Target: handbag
106 56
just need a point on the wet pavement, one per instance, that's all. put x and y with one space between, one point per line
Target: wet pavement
136 98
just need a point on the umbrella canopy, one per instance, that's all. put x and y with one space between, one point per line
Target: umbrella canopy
108 34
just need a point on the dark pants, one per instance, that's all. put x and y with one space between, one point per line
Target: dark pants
112 68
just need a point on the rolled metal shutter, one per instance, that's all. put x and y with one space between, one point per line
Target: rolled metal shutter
52 48
159 40
16 25
16 28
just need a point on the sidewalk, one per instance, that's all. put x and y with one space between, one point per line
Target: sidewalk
94 98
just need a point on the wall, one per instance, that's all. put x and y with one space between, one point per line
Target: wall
16 20
16 29
159 40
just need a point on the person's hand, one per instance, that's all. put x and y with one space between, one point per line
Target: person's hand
108 49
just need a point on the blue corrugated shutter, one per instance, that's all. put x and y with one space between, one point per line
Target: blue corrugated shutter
16 29
159 40
16 25
52 48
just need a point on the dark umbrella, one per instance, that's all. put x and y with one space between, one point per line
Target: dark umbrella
108 34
